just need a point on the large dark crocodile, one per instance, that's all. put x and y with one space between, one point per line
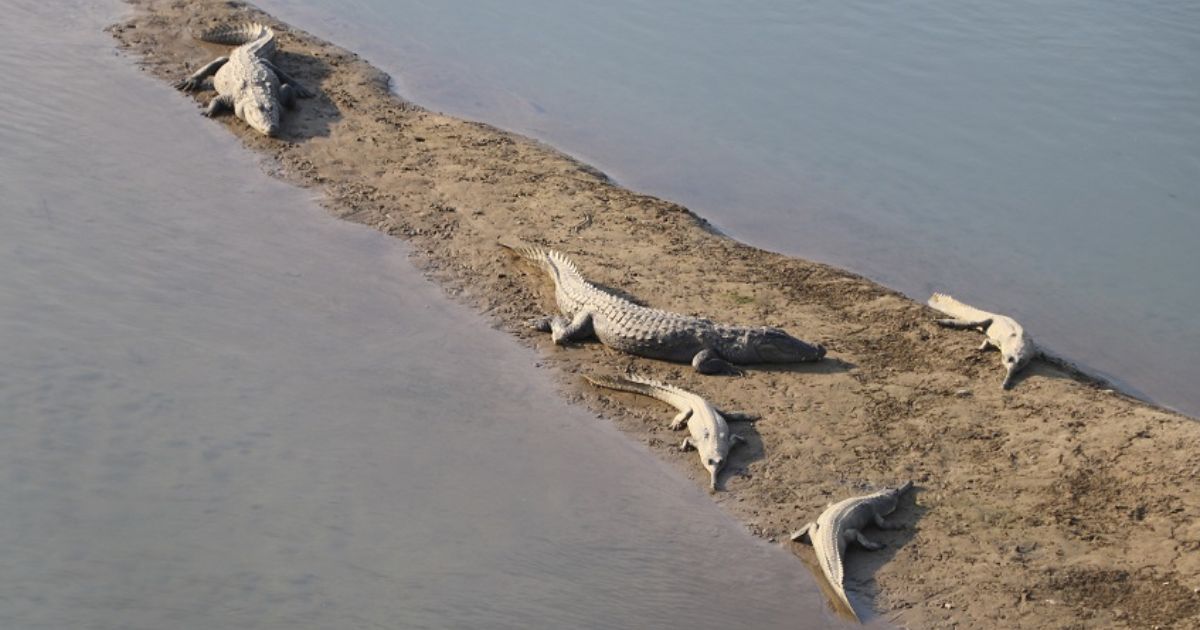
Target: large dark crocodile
710 347
246 81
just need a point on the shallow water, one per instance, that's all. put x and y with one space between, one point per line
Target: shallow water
224 409
1041 159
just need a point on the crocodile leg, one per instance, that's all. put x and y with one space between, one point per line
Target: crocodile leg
219 105
686 445
855 535
804 534
678 421
579 328
963 324
193 81
707 361
986 345
298 90
287 96
540 324
882 523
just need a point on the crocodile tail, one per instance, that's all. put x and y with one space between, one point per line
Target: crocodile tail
552 260
534 254
845 601
236 34
954 308
633 384
832 560
674 396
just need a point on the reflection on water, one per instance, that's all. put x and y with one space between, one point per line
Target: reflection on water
1039 159
223 409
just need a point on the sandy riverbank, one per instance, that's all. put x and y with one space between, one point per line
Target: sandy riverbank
1057 504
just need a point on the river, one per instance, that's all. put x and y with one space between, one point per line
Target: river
225 409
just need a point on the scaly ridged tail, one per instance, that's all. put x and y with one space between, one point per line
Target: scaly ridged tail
679 398
534 254
552 260
841 591
833 572
956 309
237 34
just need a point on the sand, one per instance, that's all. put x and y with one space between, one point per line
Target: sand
1059 504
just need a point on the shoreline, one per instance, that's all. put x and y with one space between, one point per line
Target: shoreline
1050 504
1068 324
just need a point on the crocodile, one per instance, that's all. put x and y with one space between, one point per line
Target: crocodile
708 426
620 324
1004 333
842 523
246 81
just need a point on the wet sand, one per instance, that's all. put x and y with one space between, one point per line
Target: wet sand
1058 504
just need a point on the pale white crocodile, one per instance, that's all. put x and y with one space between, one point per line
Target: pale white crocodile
707 426
1004 333
841 524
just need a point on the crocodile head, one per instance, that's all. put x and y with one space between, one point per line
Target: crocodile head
713 450
892 497
714 460
769 345
714 466
1016 352
262 115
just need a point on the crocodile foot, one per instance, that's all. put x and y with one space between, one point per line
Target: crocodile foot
188 84
540 324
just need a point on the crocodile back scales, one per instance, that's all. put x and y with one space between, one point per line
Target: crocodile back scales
618 322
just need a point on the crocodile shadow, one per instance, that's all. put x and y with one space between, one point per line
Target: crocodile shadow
824 366
311 117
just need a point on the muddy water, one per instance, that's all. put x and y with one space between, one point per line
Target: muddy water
223 409
1038 158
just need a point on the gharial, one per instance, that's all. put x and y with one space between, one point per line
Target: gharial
842 523
710 347
246 81
1004 333
707 425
